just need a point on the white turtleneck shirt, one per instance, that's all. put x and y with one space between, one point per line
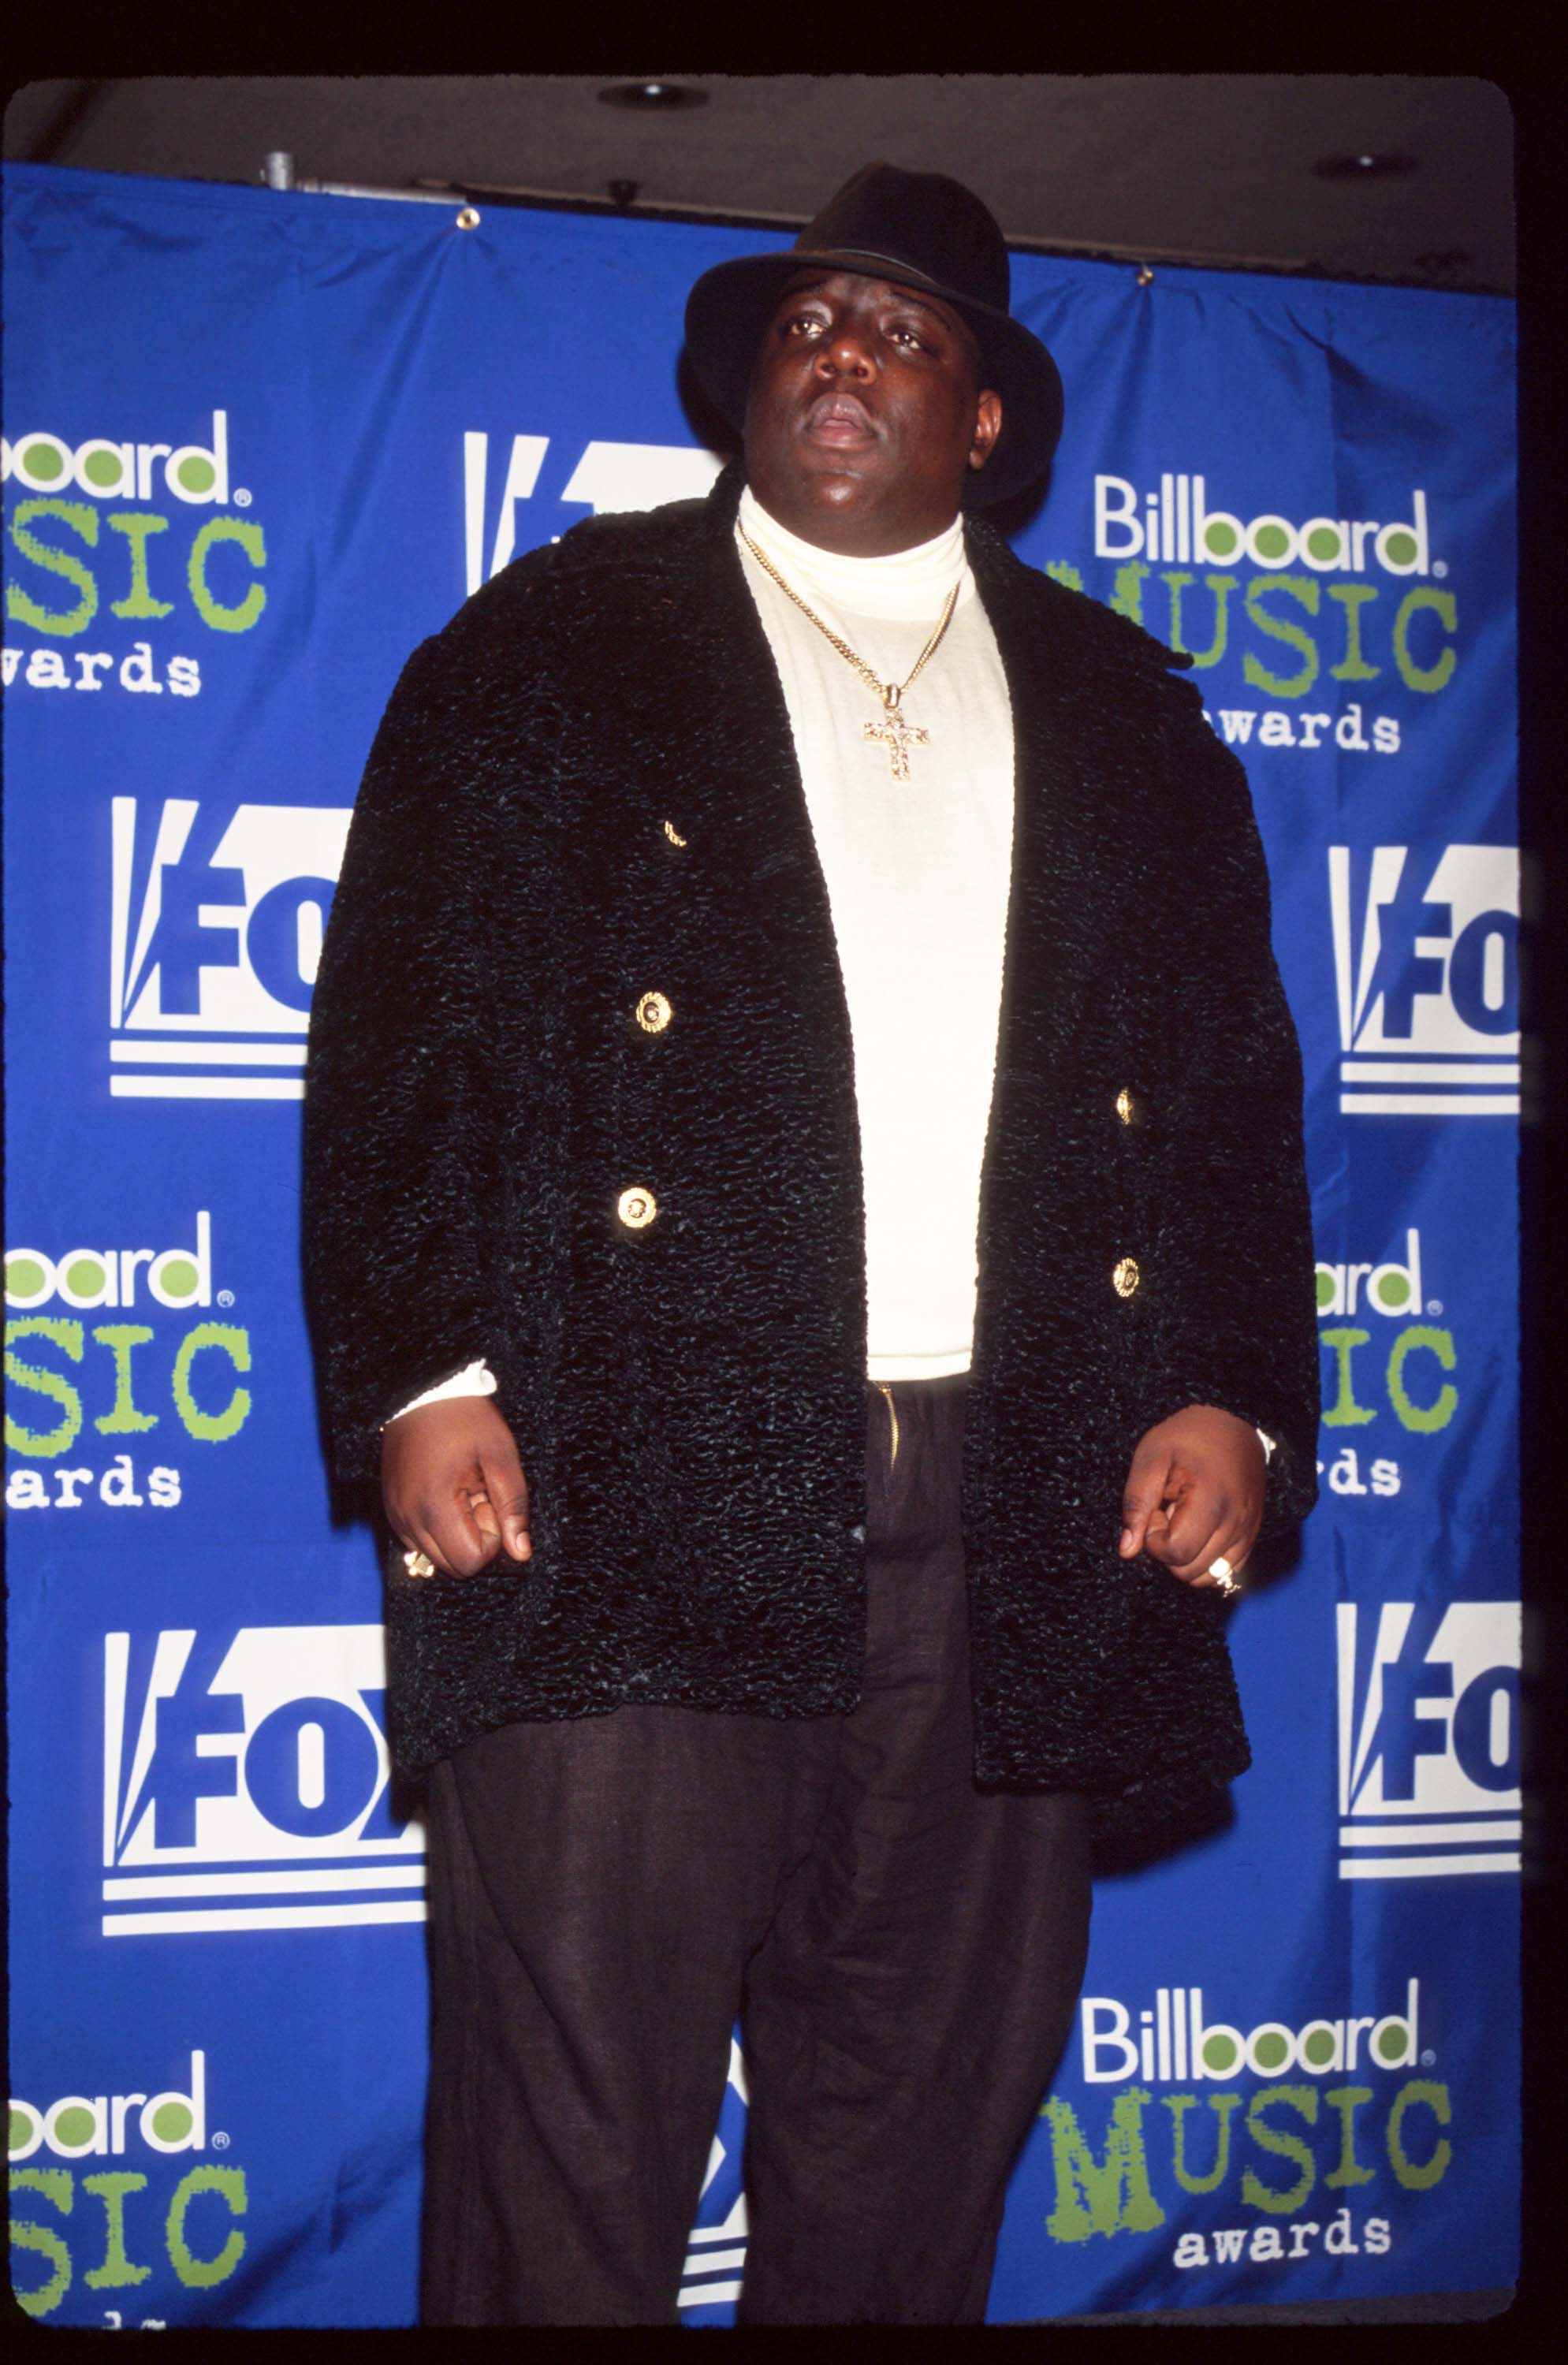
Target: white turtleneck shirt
916 872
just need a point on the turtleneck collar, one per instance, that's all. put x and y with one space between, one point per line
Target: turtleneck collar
906 583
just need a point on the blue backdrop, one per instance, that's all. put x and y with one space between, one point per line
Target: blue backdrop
256 446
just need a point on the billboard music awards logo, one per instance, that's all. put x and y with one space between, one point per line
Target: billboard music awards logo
75 563
1276 2120
1316 608
1386 1349
246 1784
117 1378
1425 972
1428 1699
218 917
116 2227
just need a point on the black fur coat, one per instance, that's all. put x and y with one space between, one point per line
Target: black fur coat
584 790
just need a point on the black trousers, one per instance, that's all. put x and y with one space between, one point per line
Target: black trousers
904 1950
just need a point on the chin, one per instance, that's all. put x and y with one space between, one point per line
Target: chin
833 479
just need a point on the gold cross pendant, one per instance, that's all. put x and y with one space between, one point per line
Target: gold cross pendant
899 738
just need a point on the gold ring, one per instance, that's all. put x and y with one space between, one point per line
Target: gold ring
419 1564
1224 1576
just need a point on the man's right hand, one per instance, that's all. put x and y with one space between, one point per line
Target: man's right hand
453 1484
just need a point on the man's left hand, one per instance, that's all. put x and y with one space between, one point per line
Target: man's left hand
1194 1493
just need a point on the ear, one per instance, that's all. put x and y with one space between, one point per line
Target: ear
988 427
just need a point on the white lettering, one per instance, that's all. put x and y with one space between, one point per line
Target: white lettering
1115 504
145 455
1096 2039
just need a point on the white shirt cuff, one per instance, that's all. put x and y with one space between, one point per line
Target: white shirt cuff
1267 1444
473 1380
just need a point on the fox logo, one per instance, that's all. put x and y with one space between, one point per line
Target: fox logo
218 918
247 1783
1425 969
1428 1738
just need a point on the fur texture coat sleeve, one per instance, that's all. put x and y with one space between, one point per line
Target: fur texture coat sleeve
412 1112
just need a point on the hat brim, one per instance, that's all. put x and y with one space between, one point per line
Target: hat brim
731 305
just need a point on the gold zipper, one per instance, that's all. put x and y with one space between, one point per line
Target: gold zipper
883 1389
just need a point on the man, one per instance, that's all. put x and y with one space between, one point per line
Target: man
806 1218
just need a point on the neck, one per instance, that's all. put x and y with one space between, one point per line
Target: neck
808 530
848 536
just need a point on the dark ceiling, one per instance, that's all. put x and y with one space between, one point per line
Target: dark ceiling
1215 169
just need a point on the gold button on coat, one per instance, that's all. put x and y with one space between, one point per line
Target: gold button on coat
1124 1105
636 1207
673 835
654 1014
1125 1278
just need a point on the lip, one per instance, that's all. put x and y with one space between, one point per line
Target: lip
839 418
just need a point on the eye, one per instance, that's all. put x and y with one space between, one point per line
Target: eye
903 334
797 323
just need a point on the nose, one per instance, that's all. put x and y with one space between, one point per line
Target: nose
847 350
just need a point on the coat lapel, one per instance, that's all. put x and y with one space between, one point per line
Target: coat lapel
745 800
1066 904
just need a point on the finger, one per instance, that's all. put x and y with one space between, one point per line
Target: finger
416 1539
1141 1498
490 1528
1236 1549
459 1546
1156 1541
1195 1560
410 1535
1196 1533
1233 1540
506 1489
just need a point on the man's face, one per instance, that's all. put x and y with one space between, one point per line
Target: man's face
866 413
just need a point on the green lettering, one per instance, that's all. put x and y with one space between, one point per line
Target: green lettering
81 518
213 612
67 1336
1346 2099
1297 587
1258 2195
1345 1412
116 2269
1424 1418
1352 597
1092 2197
1224 2105
1062 570
228 1340
1126 598
1414 2177
1221 587
55 2184
122 1419
200 2274
1415 677
138 526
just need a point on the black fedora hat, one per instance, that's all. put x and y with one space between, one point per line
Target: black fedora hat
920 230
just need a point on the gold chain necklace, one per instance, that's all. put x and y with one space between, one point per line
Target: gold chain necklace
893 731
